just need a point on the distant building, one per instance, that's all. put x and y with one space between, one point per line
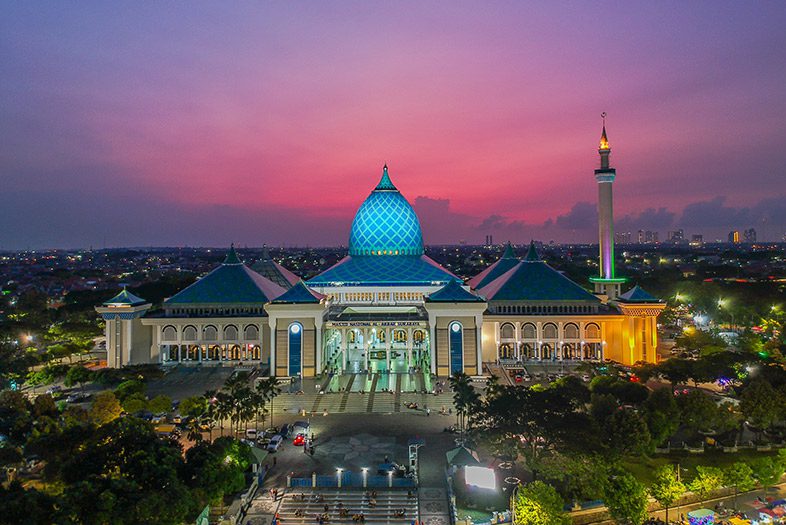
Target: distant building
623 237
734 237
677 235
696 240
749 235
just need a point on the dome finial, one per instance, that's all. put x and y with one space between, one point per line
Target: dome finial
385 183
604 141
232 257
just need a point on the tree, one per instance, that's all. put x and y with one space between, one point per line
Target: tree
135 403
626 499
698 410
577 478
105 408
159 404
125 475
707 480
78 375
465 398
216 469
761 404
740 476
662 415
538 504
128 388
667 488
193 406
767 471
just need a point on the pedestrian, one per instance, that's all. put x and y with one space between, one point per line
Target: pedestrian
274 461
428 412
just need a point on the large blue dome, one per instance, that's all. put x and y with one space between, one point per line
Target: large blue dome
385 224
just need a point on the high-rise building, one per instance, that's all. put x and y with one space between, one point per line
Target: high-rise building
696 240
734 237
623 237
749 235
677 235
641 237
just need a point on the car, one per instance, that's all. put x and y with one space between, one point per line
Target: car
251 433
285 431
158 418
53 389
585 377
299 441
177 419
274 443
526 377
519 378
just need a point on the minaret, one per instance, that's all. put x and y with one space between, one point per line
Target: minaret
606 283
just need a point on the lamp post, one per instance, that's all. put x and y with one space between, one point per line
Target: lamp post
338 476
365 477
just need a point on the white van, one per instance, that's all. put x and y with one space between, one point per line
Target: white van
275 442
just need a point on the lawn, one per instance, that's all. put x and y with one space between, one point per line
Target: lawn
644 468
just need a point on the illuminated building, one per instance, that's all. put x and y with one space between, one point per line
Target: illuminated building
387 307
734 237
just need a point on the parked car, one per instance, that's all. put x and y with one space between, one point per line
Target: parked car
274 443
526 377
54 389
251 433
285 431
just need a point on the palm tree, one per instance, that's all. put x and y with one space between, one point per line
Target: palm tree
465 397
195 430
223 409
268 389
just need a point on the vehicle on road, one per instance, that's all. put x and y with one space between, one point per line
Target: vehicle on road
275 442
299 441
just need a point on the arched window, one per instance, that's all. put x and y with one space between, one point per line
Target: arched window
550 331
592 331
211 333
230 333
251 333
571 331
507 331
169 333
295 348
418 337
528 331
190 333
506 351
456 337
400 336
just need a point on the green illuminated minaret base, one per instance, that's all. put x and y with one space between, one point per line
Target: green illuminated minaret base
607 283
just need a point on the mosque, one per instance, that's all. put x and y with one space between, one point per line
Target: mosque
388 308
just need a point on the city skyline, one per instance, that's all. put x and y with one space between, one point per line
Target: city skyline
154 127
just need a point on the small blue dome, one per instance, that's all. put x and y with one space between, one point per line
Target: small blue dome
385 224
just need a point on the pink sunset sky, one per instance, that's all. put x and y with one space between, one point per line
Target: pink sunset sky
150 124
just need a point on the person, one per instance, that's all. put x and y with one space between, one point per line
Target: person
274 461
428 411
327 507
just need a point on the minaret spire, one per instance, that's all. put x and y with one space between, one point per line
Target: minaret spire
606 283
385 183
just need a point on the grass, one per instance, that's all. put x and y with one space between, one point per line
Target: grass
644 468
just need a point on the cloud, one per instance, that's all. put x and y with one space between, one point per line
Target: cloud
582 216
714 213
440 224
650 218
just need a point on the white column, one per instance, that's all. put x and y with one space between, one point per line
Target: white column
272 323
388 347
478 342
432 343
318 345
410 331
127 340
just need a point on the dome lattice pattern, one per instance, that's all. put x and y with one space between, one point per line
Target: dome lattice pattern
386 224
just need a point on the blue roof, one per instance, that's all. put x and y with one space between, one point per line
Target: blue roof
503 264
125 298
272 271
385 224
535 281
231 283
299 294
453 292
385 270
637 294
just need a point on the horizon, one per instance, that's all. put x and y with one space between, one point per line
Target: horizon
168 126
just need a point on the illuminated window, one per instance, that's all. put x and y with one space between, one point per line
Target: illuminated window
456 336
295 348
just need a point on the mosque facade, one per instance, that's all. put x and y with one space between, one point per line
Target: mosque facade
388 308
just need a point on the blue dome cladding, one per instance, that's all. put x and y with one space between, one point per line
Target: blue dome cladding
385 224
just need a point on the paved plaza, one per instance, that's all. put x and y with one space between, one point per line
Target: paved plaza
352 442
